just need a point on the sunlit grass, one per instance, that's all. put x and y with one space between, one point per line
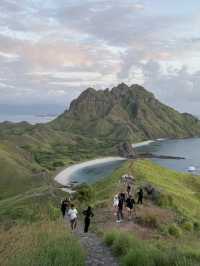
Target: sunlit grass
183 188
43 244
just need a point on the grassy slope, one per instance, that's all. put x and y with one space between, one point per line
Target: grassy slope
183 188
35 211
42 244
32 231
29 155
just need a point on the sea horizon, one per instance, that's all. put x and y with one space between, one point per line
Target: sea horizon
30 118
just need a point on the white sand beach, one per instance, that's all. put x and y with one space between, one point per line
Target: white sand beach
63 177
143 143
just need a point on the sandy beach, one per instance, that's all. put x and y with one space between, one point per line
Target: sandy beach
143 143
63 177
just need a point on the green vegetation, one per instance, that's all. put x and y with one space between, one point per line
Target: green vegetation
95 124
32 231
178 190
174 230
174 223
176 233
46 244
133 251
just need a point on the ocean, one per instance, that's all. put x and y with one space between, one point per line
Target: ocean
187 148
32 119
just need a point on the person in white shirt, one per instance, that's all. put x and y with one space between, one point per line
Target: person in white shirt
72 214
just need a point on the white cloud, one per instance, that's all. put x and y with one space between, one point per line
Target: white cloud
50 50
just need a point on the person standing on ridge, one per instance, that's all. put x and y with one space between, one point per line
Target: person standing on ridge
128 189
64 206
72 214
120 215
88 213
140 196
130 204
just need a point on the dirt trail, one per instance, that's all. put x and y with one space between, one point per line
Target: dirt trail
97 252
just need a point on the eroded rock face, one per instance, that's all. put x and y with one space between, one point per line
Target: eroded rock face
125 150
126 113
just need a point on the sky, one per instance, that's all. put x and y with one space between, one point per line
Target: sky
50 51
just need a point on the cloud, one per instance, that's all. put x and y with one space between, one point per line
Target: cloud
52 50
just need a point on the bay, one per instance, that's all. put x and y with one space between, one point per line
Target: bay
187 148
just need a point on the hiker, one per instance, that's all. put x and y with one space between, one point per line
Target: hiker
64 206
140 196
130 204
88 213
128 189
123 196
115 203
121 199
72 214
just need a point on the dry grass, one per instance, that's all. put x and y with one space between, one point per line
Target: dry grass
43 244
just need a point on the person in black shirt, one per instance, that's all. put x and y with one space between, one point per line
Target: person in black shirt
140 196
130 204
121 199
88 213
64 206
128 189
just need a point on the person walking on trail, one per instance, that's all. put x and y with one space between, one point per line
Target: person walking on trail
140 196
115 204
128 189
88 213
121 200
64 206
72 214
130 204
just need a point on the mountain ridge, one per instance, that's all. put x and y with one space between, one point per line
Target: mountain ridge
138 111
96 124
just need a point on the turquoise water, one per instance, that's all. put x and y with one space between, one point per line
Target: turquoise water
93 173
188 148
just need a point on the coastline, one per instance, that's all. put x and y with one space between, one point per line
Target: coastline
63 178
143 143
146 142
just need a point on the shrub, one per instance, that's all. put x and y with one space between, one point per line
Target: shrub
58 163
150 220
110 237
121 244
196 226
188 226
164 200
84 193
54 213
155 257
174 230
164 230
138 257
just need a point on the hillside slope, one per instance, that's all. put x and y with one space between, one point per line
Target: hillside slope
94 125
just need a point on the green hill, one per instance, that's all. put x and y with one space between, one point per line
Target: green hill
165 231
94 125
125 113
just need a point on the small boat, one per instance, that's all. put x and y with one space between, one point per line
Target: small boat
191 169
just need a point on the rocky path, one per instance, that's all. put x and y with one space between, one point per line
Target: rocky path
97 252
